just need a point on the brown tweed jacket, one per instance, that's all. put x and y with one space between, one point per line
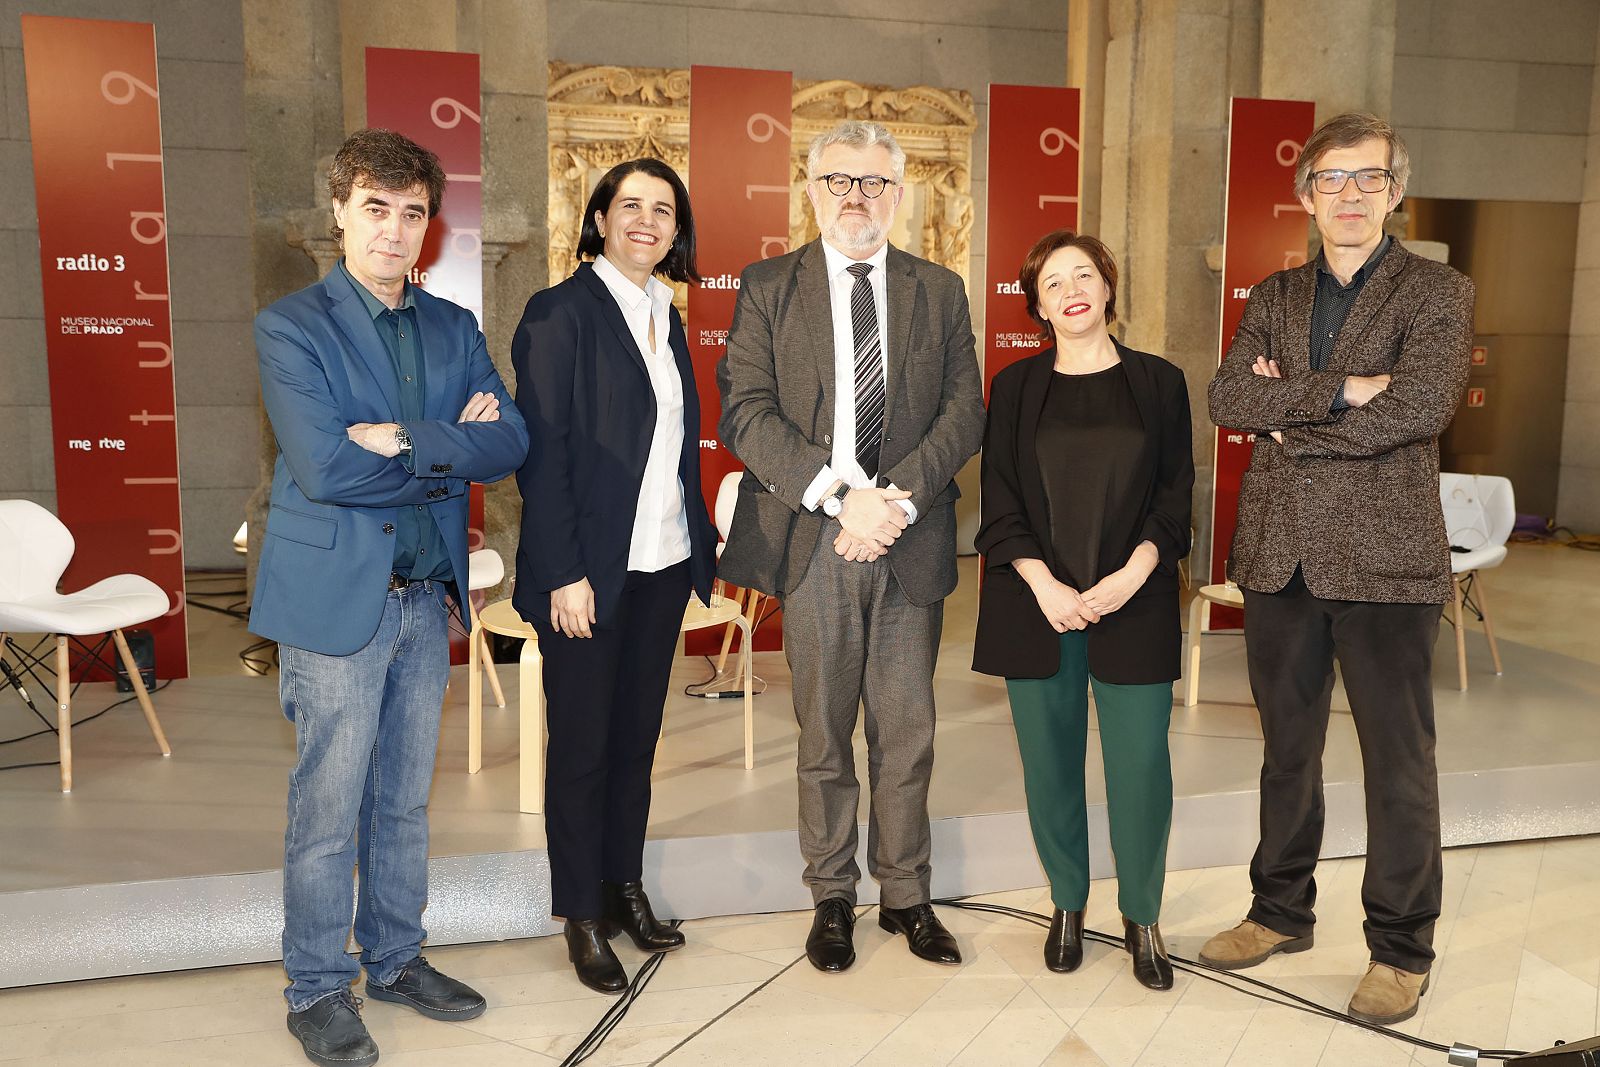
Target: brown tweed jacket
1351 496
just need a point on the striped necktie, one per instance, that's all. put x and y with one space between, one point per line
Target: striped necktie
869 371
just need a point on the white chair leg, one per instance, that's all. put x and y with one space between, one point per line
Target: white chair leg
64 710
140 691
1488 624
1191 659
487 661
530 677
1461 635
474 702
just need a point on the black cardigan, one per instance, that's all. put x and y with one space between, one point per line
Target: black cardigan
1139 643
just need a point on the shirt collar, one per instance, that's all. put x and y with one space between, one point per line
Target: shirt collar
629 295
1367 268
376 307
838 262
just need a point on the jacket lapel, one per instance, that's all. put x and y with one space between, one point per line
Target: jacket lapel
816 312
436 350
1385 279
350 312
612 314
1035 384
1144 389
1300 294
900 276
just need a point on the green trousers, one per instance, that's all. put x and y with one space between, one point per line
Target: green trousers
1052 720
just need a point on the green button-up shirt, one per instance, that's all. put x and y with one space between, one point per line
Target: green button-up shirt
419 549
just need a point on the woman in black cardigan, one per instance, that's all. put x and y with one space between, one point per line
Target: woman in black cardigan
614 536
1087 475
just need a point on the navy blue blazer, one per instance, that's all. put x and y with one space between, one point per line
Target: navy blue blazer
584 390
329 547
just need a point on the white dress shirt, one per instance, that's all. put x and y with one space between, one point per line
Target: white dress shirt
660 525
841 285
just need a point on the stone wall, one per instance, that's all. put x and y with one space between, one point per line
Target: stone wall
201 75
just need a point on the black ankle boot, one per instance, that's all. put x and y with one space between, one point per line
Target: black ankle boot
1063 948
627 910
597 966
1150 964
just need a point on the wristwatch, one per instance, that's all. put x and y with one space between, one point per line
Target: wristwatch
402 438
833 503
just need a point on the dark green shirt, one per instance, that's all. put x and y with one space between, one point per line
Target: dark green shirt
419 549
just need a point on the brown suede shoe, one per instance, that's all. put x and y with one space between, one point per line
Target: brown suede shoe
1248 944
1387 995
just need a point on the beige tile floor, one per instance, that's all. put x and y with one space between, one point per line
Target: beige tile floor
1519 967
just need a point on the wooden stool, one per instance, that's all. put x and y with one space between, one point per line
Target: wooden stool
725 611
501 618
1228 595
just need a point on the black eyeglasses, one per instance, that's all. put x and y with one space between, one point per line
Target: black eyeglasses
872 185
1372 180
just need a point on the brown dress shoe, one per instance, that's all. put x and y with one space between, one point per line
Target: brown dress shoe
1387 995
1248 944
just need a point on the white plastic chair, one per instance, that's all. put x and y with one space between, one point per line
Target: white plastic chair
748 600
35 549
1479 513
485 570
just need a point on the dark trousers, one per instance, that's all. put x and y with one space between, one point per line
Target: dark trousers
603 700
1385 653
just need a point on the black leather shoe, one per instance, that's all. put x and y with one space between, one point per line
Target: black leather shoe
627 910
332 1034
1150 964
597 966
926 935
828 946
438 996
1063 948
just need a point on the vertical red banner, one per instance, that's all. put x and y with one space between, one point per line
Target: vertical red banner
739 162
434 98
1035 174
95 117
1264 230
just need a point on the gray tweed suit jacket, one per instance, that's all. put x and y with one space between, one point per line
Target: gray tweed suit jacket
1351 496
777 389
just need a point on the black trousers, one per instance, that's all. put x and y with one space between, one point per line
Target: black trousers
603 700
1385 653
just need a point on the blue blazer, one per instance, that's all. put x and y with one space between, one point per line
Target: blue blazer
585 393
329 546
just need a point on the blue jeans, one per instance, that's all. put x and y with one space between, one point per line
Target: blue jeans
366 730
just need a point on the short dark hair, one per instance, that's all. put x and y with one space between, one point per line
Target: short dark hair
386 160
1049 245
678 264
1347 131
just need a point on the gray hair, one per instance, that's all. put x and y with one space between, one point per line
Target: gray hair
854 134
1347 131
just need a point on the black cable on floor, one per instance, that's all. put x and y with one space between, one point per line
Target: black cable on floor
619 1008
76 723
1227 979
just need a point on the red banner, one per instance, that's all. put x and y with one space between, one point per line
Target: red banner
1264 230
1035 174
739 134
95 117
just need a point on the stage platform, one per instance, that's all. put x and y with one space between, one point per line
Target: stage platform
155 864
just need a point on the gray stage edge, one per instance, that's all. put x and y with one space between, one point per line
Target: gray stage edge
98 931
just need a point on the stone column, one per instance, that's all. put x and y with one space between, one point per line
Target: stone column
1578 498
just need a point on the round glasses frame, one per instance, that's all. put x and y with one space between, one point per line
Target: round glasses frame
1372 180
872 185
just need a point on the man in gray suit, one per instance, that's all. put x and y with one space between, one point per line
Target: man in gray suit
850 391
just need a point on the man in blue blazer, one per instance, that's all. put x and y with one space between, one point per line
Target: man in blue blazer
385 406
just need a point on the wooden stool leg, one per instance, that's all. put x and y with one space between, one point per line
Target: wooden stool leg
1191 659
139 690
474 701
749 697
64 710
489 671
1461 635
530 699
727 635
1488 625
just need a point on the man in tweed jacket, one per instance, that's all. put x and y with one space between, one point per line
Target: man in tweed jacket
1347 368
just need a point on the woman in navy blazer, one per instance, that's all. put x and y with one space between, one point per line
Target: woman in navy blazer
614 536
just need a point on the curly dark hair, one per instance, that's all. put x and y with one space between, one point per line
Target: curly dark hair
387 160
1049 245
678 264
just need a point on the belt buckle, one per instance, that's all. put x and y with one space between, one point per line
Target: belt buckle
396 582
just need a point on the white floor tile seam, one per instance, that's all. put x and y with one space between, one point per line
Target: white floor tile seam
728 1011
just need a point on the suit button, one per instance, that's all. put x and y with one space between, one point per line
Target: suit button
827 439
388 527
1308 481
771 487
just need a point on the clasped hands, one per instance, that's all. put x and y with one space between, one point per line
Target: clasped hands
1358 388
380 437
869 523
